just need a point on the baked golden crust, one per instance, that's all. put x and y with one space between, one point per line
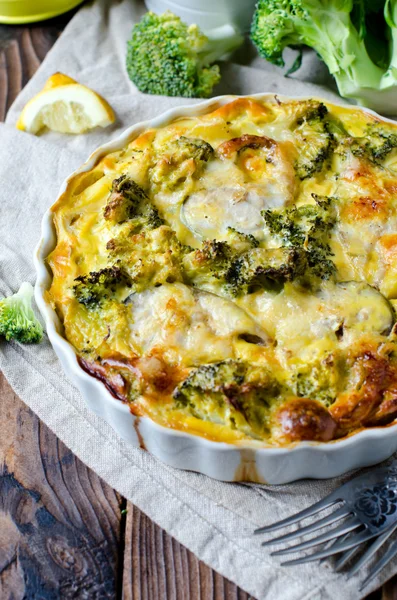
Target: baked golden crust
233 274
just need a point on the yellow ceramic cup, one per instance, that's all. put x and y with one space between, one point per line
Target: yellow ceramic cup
28 11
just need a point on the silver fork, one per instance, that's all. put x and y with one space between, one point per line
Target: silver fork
367 511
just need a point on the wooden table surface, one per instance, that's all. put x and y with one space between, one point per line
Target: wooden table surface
64 533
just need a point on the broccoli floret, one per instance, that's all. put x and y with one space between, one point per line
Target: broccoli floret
207 266
195 148
321 380
375 146
241 242
94 289
236 393
338 31
17 319
306 228
129 202
217 253
242 268
167 57
265 268
178 160
314 138
149 258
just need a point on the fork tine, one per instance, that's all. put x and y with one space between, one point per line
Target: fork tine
349 525
386 558
344 559
307 512
341 546
371 550
333 542
335 516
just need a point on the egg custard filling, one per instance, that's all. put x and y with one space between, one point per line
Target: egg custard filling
234 274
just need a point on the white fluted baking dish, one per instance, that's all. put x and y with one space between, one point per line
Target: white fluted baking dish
245 461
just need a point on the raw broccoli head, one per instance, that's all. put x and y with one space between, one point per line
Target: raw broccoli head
17 319
273 28
98 286
351 37
167 57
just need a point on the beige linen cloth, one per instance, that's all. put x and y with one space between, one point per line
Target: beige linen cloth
214 520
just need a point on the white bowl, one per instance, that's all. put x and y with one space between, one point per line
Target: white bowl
248 461
208 14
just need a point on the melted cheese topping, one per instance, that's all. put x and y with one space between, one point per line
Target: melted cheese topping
326 344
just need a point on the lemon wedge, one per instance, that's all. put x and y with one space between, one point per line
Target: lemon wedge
65 106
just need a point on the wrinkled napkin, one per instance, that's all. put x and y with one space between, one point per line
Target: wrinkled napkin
215 520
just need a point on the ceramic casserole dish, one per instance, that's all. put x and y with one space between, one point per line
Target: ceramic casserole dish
327 415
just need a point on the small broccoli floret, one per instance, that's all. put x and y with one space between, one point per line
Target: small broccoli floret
128 202
195 148
273 28
179 160
98 286
314 138
216 253
321 380
207 266
241 242
306 228
149 258
167 57
376 145
238 394
265 268
17 319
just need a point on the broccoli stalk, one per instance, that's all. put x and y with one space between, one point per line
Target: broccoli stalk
328 27
17 319
167 57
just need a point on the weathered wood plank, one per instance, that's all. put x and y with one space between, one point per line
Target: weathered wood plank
157 567
59 523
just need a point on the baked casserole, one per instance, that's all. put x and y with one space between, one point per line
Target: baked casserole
233 274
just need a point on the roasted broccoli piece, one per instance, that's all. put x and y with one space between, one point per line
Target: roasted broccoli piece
306 228
167 57
207 266
129 202
241 242
94 289
195 148
149 258
180 159
17 319
321 380
376 144
265 268
216 254
242 268
314 138
236 393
